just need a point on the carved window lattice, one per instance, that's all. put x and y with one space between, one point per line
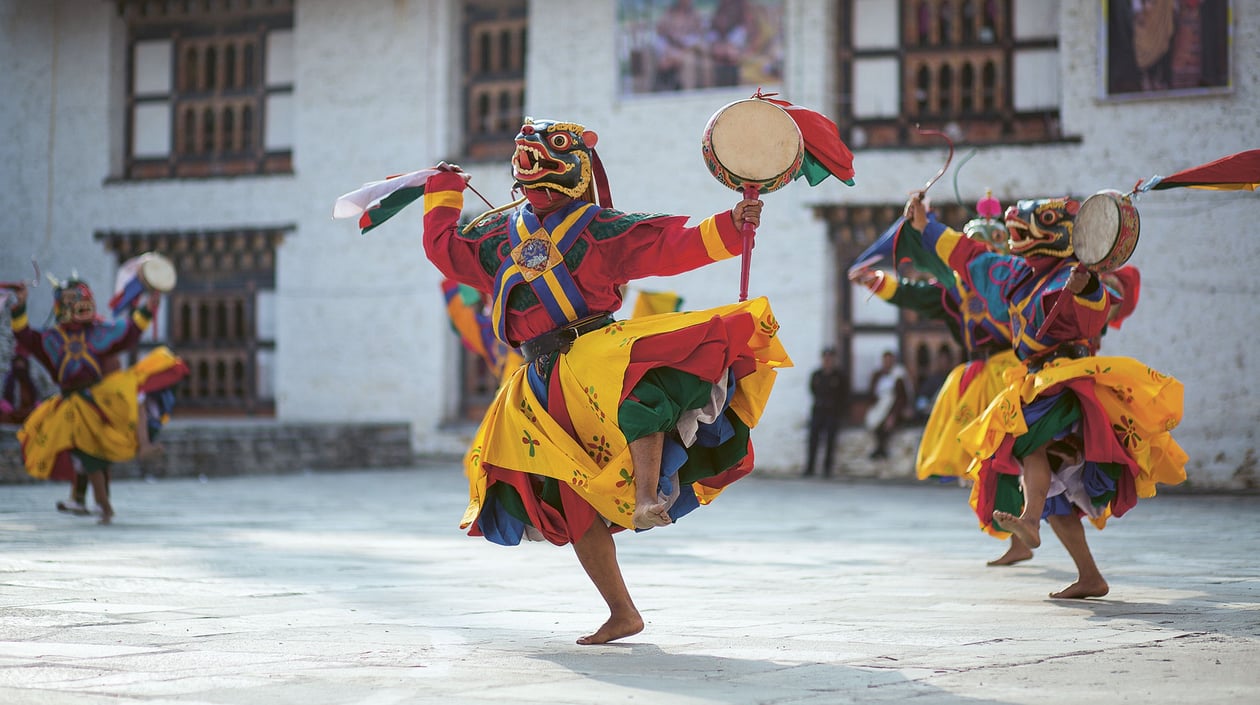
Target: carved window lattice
218 93
955 61
495 36
920 341
211 319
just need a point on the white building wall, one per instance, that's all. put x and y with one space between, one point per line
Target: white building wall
361 331
362 327
51 77
1197 317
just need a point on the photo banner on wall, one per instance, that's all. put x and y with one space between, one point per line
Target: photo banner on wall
1163 48
684 45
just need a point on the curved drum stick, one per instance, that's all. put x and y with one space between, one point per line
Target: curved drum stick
948 158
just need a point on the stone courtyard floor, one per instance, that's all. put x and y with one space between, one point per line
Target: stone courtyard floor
358 587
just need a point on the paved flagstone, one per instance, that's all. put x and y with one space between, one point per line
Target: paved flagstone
357 587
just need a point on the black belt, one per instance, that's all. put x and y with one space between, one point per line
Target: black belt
1072 351
561 339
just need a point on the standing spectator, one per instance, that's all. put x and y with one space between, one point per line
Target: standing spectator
892 395
829 386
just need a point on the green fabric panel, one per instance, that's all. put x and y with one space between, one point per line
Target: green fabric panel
611 223
507 497
1065 411
492 251
468 295
909 245
550 493
577 251
662 395
927 299
522 298
1008 496
91 463
707 462
923 297
813 170
391 204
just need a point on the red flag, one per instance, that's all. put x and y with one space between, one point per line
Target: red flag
1237 172
822 140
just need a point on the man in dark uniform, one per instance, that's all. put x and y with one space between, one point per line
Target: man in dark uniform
829 385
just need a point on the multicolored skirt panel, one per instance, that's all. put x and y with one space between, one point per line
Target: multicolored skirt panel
552 453
1106 423
98 422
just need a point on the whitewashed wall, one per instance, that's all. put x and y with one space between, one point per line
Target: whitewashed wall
362 329
54 118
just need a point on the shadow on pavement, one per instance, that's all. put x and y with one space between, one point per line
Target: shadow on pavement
737 680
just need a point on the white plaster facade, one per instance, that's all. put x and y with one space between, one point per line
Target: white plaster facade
360 328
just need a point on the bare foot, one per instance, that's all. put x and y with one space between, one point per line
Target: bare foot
647 516
107 514
1096 587
614 628
74 507
1017 553
1028 531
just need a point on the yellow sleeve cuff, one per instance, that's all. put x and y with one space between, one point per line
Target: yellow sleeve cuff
887 287
142 318
711 231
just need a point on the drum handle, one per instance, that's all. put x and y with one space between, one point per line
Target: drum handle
1054 313
1055 309
749 231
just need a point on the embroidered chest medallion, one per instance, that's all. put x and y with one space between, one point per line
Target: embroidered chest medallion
536 255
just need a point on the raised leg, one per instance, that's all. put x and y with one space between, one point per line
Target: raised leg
1036 482
597 553
1089 580
650 509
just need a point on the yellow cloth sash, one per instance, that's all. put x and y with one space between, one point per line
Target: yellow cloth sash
1142 405
518 434
104 427
940 453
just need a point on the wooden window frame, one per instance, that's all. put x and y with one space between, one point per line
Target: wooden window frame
972 118
210 318
851 230
495 44
218 108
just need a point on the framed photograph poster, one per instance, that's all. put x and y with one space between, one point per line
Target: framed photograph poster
685 45
1158 48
